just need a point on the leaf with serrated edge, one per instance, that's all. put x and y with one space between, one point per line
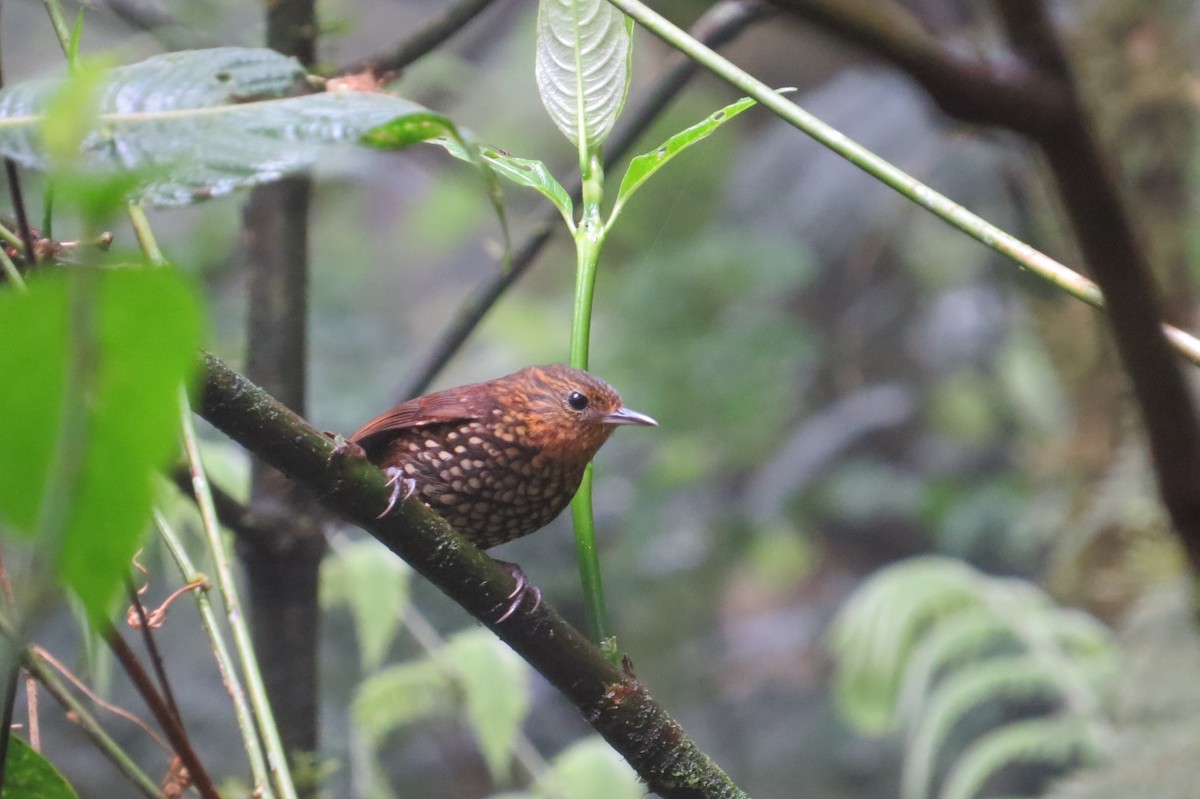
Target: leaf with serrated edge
373 583
400 695
590 769
495 683
645 165
581 66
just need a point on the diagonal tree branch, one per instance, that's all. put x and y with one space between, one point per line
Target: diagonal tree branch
1090 194
1009 93
611 700
424 41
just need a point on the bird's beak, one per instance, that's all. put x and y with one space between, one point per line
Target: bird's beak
625 416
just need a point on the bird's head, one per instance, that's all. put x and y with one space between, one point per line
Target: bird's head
567 413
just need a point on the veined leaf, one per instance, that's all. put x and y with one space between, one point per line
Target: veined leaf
589 769
645 165
201 123
582 66
374 584
522 171
495 685
400 695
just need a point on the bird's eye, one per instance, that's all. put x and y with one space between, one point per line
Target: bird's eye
577 401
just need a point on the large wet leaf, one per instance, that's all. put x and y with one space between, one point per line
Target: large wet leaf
198 123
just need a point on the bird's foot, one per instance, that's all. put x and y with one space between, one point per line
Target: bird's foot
522 589
344 448
402 488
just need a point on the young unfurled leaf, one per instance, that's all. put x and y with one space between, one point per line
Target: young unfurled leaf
582 66
522 171
645 165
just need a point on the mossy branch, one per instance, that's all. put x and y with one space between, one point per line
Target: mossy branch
610 699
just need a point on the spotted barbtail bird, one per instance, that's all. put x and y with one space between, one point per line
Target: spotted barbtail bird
498 460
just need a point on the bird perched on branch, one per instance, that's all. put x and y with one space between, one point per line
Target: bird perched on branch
498 460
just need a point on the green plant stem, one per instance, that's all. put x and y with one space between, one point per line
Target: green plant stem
62 29
589 236
87 722
235 616
11 273
225 664
1026 256
11 239
145 236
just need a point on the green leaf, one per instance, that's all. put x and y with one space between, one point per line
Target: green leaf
200 123
495 684
28 775
590 769
373 583
582 66
400 695
522 171
142 347
645 165
427 126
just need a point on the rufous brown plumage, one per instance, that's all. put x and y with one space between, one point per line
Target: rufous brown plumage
498 460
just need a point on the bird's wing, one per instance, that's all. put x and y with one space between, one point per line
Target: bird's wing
437 408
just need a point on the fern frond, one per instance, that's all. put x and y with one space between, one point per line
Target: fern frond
874 634
1013 677
1057 741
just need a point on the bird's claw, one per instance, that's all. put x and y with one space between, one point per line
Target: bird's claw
401 485
522 588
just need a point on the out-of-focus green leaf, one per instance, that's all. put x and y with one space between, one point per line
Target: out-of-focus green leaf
590 769
642 167
495 683
400 695
374 584
198 123
28 775
582 66
70 113
143 346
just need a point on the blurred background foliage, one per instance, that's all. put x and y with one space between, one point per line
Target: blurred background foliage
841 380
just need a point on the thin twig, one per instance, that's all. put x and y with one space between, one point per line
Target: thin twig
718 26
83 688
428 38
231 513
6 715
225 664
156 660
31 708
34 661
234 615
18 201
170 725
